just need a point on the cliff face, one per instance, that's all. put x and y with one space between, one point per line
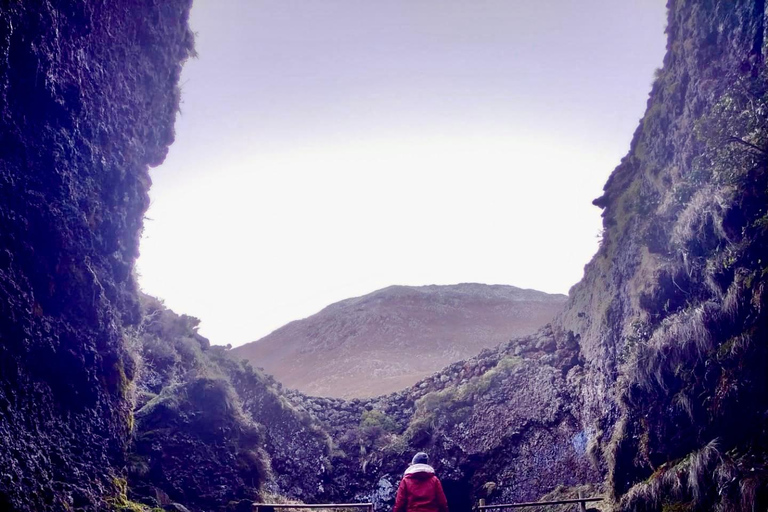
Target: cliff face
390 339
192 442
88 96
671 313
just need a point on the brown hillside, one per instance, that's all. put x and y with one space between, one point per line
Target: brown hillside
392 338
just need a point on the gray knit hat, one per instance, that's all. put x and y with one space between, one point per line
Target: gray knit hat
420 458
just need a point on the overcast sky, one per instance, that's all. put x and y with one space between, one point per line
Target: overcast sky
329 148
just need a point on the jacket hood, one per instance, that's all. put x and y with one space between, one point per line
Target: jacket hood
419 468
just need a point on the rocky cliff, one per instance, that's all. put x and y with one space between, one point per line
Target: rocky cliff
211 433
390 339
671 314
88 96
192 443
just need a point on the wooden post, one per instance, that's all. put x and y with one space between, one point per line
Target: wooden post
582 504
481 503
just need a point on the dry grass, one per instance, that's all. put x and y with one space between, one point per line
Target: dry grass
681 340
701 219
684 482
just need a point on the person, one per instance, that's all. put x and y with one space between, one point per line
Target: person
420 490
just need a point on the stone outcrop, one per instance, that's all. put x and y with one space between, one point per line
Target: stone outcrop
192 443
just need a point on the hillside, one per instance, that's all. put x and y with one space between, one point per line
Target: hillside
390 339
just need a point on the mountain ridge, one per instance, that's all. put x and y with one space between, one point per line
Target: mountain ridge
389 339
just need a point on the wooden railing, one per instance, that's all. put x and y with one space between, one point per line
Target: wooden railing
263 507
581 502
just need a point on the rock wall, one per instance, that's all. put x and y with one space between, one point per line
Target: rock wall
88 96
192 443
671 313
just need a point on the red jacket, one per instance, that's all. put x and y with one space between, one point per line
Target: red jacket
420 491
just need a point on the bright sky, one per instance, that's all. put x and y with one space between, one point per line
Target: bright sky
330 148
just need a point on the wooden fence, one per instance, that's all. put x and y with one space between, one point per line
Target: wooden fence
580 501
264 507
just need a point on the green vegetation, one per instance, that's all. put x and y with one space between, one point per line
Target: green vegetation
454 405
186 402
456 398
120 503
375 419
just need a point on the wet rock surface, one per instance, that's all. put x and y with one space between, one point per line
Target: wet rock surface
88 96
192 447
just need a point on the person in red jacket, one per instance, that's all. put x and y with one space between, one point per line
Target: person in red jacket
420 490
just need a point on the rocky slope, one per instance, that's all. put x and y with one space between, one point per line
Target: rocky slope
211 433
491 424
192 442
88 96
390 339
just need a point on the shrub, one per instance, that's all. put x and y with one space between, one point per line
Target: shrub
377 419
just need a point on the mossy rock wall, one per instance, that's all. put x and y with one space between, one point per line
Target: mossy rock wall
88 97
671 314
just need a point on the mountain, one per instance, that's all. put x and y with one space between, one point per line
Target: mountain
390 339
